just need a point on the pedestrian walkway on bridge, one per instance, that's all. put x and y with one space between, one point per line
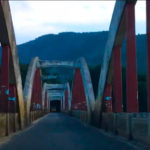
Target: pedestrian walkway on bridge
58 131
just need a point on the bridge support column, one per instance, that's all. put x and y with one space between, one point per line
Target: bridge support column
39 89
108 97
131 75
78 93
5 79
117 79
33 99
12 98
148 52
5 85
12 107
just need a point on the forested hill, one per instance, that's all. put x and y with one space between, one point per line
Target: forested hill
70 46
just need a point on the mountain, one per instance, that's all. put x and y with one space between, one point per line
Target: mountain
70 46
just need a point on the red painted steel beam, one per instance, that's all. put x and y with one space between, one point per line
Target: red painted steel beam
61 103
117 79
34 98
5 79
78 93
131 74
39 88
108 97
37 91
148 52
12 98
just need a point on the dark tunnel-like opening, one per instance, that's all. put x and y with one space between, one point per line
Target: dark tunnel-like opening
55 106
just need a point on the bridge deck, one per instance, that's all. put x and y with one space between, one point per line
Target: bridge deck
61 132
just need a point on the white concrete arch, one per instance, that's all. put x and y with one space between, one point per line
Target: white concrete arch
88 86
29 85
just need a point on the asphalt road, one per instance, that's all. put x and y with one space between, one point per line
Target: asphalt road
61 132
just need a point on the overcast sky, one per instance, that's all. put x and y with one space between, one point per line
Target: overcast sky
32 19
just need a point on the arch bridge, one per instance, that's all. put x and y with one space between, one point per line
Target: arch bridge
20 106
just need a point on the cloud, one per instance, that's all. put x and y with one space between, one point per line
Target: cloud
140 16
34 18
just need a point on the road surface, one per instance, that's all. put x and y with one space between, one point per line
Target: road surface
58 131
